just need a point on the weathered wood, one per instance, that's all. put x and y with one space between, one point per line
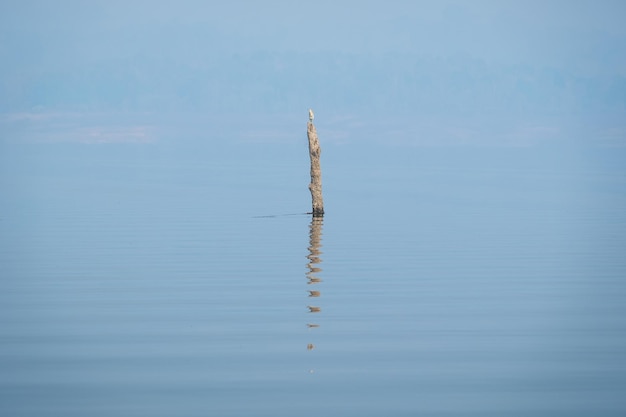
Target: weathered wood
316 171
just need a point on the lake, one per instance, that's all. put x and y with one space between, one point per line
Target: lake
183 277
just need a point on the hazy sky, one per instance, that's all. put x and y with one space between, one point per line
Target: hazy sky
536 64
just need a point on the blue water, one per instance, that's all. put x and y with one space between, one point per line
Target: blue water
174 278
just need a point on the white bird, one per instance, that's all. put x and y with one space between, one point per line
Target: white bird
311 115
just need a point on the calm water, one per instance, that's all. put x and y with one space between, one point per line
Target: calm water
183 279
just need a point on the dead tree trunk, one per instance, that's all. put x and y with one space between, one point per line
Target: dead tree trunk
316 172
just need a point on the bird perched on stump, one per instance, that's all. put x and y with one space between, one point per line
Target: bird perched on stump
311 115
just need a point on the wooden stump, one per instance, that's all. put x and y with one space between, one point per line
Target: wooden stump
316 172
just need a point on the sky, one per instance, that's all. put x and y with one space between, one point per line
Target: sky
483 71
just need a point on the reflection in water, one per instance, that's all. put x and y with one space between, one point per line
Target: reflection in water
315 238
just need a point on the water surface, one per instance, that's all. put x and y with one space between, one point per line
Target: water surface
184 279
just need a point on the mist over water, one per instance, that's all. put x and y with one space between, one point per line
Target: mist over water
155 258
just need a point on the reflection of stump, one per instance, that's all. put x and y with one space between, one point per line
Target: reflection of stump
315 245
313 266
316 171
